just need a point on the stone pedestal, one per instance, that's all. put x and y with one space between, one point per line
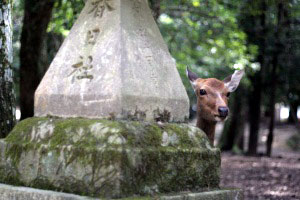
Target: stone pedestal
109 159
114 63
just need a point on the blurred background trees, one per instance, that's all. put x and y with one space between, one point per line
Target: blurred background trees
213 37
37 15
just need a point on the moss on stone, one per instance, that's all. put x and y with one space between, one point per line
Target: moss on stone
22 129
140 198
10 176
147 158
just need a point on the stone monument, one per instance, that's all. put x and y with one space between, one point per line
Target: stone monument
105 113
113 63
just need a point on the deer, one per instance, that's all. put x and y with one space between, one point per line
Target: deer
212 99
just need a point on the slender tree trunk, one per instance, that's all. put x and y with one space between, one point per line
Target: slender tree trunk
279 46
240 141
239 138
272 104
257 82
234 128
254 115
293 113
7 95
50 47
36 20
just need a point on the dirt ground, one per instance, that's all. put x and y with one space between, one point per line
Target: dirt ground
261 177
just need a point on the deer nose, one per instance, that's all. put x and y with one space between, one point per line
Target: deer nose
223 111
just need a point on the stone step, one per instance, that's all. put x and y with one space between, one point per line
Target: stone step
222 194
8 192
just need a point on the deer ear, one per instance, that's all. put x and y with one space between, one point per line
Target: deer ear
192 77
233 81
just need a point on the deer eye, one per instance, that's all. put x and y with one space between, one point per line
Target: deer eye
228 94
202 92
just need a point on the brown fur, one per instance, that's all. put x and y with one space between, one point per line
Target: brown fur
207 105
212 105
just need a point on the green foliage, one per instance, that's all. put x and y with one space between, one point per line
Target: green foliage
205 36
65 14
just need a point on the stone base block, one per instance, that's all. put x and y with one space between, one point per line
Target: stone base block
109 159
221 194
8 192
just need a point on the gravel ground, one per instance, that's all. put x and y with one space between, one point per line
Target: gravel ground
261 177
264 178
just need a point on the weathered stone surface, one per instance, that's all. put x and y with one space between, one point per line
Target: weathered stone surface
8 192
114 63
104 158
223 194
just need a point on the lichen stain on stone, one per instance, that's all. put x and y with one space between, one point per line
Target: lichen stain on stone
165 139
116 140
169 139
42 131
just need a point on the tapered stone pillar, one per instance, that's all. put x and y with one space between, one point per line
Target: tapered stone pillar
114 63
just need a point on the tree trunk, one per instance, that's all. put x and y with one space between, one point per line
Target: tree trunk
254 115
36 20
50 47
279 46
234 128
155 6
239 138
255 95
272 103
7 95
293 113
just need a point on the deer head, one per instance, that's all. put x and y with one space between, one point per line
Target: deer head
212 99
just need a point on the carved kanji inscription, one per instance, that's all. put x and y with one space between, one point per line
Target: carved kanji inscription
99 7
92 36
82 69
